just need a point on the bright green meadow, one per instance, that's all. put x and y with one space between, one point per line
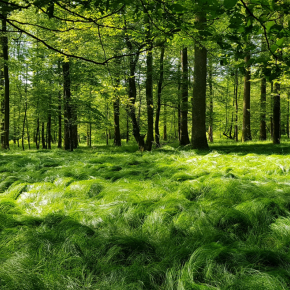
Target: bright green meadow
115 218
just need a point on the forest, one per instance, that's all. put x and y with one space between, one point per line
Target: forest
144 144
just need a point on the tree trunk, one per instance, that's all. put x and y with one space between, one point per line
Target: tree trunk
68 131
149 94
210 128
28 135
159 91
127 130
116 107
263 133
23 128
247 103
59 120
49 125
288 113
184 139
132 99
165 124
6 82
199 140
37 133
276 115
43 136
236 105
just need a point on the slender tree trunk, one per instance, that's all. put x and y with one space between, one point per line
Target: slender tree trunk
59 120
149 95
236 105
159 91
23 128
178 105
116 107
288 113
263 133
6 82
127 130
199 140
43 138
49 125
276 115
272 105
68 132
210 128
247 103
28 135
165 124
37 133
184 139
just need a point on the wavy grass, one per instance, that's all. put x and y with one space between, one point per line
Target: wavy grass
114 218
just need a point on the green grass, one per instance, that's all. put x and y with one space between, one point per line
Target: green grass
115 218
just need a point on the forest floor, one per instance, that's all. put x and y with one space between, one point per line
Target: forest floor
113 218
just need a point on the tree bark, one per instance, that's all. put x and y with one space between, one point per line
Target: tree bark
159 92
263 132
49 125
6 82
68 131
199 140
116 107
37 134
210 128
288 113
43 136
276 115
236 105
184 139
149 94
132 99
246 134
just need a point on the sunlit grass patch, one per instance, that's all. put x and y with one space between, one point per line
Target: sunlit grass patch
113 218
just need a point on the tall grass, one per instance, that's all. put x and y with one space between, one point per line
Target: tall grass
115 218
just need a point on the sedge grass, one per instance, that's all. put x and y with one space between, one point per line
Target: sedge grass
115 218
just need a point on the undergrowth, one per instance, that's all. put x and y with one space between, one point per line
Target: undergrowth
114 218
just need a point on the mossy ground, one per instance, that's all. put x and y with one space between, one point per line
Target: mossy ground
114 218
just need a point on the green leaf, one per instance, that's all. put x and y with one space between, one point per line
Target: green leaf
269 25
229 4
280 41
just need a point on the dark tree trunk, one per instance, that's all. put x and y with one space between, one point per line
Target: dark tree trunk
48 130
68 131
127 130
288 113
210 128
276 115
59 120
159 91
117 135
149 95
132 99
199 140
165 124
263 133
178 104
23 128
37 134
184 139
28 135
6 84
116 107
247 103
43 136
236 105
